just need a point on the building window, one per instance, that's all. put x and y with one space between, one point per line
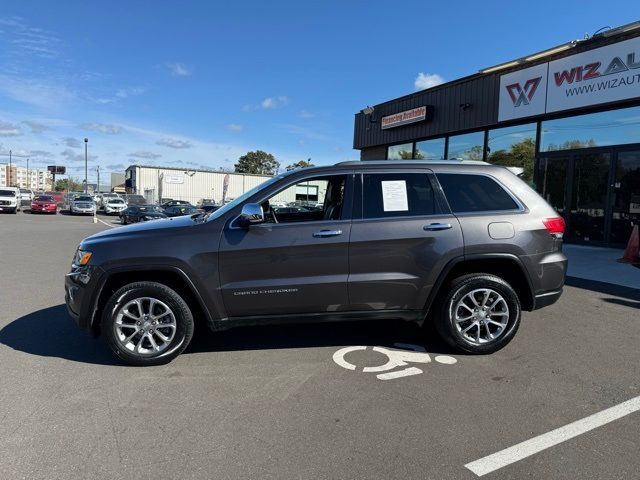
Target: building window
614 127
430 149
514 147
466 147
397 195
400 152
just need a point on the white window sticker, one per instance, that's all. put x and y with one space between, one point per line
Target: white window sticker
394 196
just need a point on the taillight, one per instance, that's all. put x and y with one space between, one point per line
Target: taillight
555 226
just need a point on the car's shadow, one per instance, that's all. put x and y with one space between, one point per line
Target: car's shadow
50 332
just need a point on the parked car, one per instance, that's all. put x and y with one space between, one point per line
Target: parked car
141 213
26 195
44 204
463 245
178 210
113 206
205 201
171 203
102 198
10 199
82 205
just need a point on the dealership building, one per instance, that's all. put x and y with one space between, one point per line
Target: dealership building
568 117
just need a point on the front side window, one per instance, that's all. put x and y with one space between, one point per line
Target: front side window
314 199
475 193
397 195
400 152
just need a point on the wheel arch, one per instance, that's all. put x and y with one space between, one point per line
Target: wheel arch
172 277
499 264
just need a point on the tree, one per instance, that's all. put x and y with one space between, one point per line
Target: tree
68 185
257 163
405 154
300 164
521 154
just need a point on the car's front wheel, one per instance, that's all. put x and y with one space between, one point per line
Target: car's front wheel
147 323
480 314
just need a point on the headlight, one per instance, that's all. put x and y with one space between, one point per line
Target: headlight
81 258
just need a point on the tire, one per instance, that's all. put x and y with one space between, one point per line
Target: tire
123 220
143 333
15 210
494 328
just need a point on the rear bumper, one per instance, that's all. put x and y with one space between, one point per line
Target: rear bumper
545 299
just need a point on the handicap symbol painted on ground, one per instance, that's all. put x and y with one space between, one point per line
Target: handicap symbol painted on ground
397 358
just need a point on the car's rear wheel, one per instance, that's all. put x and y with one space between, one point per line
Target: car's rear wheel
147 323
480 314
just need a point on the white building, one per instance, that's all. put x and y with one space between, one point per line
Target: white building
36 179
156 183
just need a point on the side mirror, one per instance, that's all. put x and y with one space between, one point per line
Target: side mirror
251 213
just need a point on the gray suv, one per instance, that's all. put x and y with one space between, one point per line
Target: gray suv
464 245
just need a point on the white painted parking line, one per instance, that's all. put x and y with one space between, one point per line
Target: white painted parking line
530 447
104 223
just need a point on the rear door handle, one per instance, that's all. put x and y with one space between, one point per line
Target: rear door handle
327 233
434 227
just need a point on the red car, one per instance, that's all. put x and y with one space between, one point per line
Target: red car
44 204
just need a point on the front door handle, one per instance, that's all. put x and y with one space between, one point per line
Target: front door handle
434 227
327 233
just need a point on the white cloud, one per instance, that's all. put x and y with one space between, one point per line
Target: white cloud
71 156
102 128
306 114
234 127
36 127
174 143
9 129
71 142
268 103
179 69
33 92
146 155
427 80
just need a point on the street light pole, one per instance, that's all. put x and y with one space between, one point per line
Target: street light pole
28 178
9 177
86 185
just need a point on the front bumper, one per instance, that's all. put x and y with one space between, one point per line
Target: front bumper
7 208
86 211
43 208
112 211
82 298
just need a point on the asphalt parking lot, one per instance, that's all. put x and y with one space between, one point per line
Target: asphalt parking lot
284 402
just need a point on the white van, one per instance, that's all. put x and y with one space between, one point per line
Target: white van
9 199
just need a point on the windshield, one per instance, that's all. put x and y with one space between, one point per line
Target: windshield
7 193
237 201
83 199
115 201
43 198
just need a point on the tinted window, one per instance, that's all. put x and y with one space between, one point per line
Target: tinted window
397 195
474 193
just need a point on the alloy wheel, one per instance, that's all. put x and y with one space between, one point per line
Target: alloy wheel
145 326
481 316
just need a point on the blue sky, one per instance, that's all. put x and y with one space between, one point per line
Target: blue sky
198 83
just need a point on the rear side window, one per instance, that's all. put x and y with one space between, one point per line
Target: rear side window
397 195
475 193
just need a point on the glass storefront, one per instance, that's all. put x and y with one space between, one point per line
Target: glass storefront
614 127
626 196
430 149
469 146
400 152
513 147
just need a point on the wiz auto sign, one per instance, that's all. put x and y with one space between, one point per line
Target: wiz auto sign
606 74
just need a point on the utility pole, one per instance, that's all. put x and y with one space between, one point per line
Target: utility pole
9 177
28 177
86 185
